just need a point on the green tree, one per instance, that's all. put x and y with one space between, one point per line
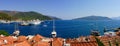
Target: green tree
31 15
99 42
109 43
3 32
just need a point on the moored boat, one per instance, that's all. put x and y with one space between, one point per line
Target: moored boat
24 23
35 22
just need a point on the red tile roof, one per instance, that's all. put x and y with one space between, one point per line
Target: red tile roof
57 42
92 43
9 39
37 38
24 43
41 44
21 38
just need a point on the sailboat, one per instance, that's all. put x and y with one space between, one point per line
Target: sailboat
54 33
16 32
108 32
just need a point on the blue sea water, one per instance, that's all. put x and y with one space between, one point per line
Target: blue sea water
64 28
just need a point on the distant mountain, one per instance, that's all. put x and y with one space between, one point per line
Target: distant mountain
93 18
116 18
27 15
9 12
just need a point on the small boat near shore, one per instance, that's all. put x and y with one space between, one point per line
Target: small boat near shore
24 24
5 22
31 22
95 33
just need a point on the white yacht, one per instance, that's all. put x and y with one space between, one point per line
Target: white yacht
24 23
35 22
109 33
4 21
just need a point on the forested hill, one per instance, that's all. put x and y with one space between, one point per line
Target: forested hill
93 18
27 15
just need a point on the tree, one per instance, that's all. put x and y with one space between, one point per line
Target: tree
3 32
99 42
109 43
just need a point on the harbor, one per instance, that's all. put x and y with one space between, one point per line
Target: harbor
53 38
60 23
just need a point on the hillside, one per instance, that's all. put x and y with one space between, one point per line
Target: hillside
116 18
93 18
27 15
31 15
5 16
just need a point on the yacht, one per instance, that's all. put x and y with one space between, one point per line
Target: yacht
35 22
5 22
24 23
110 33
95 33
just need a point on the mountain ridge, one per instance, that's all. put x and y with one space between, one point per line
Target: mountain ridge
93 18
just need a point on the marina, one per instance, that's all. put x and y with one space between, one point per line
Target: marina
60 23
67 27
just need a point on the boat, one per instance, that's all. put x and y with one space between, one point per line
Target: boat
17 31
110 33
5 22
35 22
54 33
24 23
95 33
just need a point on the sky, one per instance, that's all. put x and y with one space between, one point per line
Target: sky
65 9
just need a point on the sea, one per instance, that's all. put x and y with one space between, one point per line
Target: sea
64 28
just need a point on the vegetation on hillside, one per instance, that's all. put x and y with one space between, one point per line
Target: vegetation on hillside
30 16
4 16
99 42
18 15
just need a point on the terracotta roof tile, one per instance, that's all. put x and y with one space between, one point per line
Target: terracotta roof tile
57 42
9 39
41 44
24 43
21 38
84 43
37 38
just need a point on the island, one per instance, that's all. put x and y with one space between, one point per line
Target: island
93 18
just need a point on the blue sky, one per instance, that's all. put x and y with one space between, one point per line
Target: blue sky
65 9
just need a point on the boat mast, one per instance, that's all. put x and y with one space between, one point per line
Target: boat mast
53 25
16 26
16 31
54 34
